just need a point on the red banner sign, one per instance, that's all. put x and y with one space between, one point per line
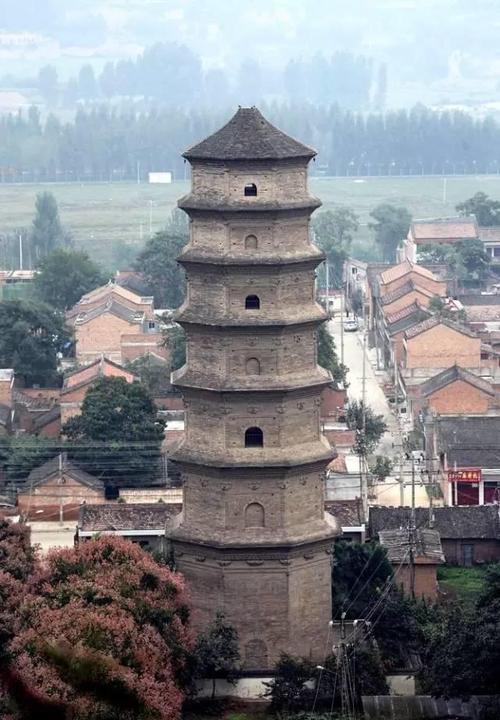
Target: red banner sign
472 475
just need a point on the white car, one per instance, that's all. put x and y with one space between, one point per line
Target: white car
351 325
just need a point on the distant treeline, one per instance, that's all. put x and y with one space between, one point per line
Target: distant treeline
174 75
103 144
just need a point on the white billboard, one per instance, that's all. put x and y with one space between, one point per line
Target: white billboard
163 178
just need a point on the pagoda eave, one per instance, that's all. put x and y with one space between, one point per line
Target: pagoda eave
196 317
189 204
185 379
191 257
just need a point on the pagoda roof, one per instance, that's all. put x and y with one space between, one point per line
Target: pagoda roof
248 136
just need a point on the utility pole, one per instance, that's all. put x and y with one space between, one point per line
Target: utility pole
412 530
138 172
150 218
445 182
342 325
20 251
327 269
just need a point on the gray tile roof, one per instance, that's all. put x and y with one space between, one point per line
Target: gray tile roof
349 513
472 441
400 292
124 517
42 473
248 136
115 308
431 322
414 314
453 523
427 545
451 374
47 417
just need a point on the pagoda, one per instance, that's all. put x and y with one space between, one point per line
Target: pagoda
253 539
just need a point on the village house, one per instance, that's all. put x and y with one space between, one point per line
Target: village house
56 489
393 329
112 292
462 456
350 516
468 535
416 572
77 383
118 332
490 237
437 231
144 524
454 391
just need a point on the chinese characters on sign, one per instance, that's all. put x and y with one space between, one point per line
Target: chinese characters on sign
472 475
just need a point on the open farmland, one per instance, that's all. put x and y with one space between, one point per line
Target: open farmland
108 218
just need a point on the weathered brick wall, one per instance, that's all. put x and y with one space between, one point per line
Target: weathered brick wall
442 347
54 493
484 550
5 393
102 335
456 398
219 184
425 580
136 345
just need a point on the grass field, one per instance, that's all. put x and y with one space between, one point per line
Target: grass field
461 583
109 219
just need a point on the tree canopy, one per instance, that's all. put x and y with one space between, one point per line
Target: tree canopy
486 210
368 426
390 227
117 436
328 358
217 653
158 262
99 631
47 232
31 336
64 276
333 231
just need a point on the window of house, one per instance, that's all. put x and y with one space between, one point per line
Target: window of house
151 325
251 190
252 366
252 302
254 515
250 242
496 252
254 437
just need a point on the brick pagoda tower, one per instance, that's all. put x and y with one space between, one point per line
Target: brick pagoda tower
253 539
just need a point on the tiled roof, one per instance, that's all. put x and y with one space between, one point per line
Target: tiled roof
470 441
489 234
483 313
452 374
98 371
427 545
400 292
42 473
404 312
452 522
124 517
443 229
115 308
398 271
406 318
349 513
480 299
432 322
47 417
248 136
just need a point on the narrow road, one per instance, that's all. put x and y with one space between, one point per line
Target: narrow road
375 398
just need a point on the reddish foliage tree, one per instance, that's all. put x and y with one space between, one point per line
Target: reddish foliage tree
103 631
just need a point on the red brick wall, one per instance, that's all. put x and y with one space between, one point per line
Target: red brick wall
332 403
458 397
6 392
136 345
425 580
52 429
101 335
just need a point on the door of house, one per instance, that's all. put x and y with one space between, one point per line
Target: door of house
467 555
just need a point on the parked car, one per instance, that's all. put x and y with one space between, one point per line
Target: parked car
351 325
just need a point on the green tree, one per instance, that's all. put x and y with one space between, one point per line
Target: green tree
438 306
217 652
31 337
47 84
328 358
390 227
153 372
47 232
360 572
473 258
64 276
117 436
158 263
486 210
175 340
333 231
26 452
382 467
368 427
288 690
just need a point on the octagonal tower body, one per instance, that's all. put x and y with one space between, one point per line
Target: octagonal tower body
253 539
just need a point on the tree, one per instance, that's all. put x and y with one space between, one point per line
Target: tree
485 209
158 263
473 258
328 359
288 690
153 372
104 632
390 227
47 232
47 84
175 340
31 337
64 276
217 653
438 306
368 427
117 436
26 452
333 231
87 85
382 467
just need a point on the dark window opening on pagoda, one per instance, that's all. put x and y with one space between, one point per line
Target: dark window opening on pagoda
251 190
252 302
254 437
250 242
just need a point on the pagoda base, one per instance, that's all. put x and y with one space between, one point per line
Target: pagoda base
277 598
